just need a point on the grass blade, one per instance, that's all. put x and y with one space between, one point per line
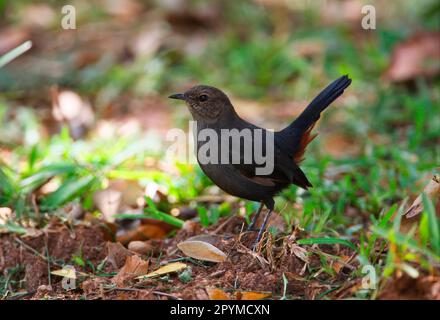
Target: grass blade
434 232
14 53
328 240
34 181
153 213
68 191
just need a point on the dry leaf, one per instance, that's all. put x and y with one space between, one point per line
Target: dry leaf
134 266
251 295
68 106
144 232
432 190
338 265
169 268
299 252
202 251
65 272
217 294
117 254
132 193
5 214
416 56
108 202
141 247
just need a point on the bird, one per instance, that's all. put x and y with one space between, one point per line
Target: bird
212 109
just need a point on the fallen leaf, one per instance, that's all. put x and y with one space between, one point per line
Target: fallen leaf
5 214
140 247
191 227
68 106
143 232
108 202
202 250
94 286
217 294
65 272
117 254
338 265
432 191
134 266
417 56
131 191
251 295
299 252
169 268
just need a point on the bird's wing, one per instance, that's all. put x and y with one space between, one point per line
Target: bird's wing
285 171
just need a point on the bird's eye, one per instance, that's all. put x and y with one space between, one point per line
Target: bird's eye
203 97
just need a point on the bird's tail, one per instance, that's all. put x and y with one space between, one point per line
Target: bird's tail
300 129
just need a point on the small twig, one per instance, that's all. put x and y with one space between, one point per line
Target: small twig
126 289
338 259
49 278
166 295
14 53
31 249
36 208
220 227
36 252
159 293
217 273
20 295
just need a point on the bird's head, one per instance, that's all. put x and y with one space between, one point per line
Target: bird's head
205 102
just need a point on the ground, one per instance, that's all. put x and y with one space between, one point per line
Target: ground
262 272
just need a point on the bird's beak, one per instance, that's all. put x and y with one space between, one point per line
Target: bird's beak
179 96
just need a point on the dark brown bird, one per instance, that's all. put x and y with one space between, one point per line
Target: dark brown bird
212 109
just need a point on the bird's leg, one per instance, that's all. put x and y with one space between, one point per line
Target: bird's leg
262 228
255 218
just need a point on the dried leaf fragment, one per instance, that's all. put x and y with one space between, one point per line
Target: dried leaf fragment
134 266
432 190
415 57
117 254
169 268
217 294
65 272
251 295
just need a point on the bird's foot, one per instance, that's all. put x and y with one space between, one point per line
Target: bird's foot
257 240
260 232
